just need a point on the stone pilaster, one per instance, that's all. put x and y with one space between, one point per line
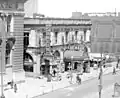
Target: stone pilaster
37 65
18 29
18 33
32 38
88 35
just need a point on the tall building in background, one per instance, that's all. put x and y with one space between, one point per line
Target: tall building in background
31 7
105 36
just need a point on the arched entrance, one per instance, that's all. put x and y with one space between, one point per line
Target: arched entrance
28 62
45 67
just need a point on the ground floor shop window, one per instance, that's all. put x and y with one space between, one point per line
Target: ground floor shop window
28 63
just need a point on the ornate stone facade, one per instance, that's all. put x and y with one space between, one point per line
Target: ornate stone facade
11 12
60 34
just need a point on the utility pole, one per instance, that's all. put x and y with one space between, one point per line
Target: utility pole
71 67
100 75
3 49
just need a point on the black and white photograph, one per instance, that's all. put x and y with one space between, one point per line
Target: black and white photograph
59 49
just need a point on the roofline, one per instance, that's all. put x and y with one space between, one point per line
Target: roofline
52 18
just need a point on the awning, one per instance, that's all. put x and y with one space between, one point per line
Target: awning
74 56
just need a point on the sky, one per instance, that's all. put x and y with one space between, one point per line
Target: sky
64 8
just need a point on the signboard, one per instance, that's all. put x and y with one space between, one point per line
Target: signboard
11 6
65 21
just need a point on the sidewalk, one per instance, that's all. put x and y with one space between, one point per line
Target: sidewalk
34 87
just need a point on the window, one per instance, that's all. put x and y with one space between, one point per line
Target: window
56 33
66 36
76 32
26 39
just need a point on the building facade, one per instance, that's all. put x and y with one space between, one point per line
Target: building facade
12 25
53 35
105 30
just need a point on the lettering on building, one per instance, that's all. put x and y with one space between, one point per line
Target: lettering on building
11 6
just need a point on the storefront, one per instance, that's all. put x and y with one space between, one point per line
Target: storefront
77 61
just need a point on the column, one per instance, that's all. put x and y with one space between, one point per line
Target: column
80 35
36 66
38 40
32 38
88 35
52 35
73 36
59 38
69 36
42 39
62 38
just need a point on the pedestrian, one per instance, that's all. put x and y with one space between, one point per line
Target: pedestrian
114 71
117 65
12 83
15 88
54 72
78 79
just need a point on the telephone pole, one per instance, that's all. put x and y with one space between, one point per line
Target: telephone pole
2 51
100 75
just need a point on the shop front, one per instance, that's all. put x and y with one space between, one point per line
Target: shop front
77 61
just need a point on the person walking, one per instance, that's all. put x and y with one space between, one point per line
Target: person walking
15 88
78 79
54 72
114 71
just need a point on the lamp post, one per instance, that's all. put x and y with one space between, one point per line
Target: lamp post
71 67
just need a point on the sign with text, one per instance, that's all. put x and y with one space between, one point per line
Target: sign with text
11 6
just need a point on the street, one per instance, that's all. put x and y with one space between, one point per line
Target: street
83 90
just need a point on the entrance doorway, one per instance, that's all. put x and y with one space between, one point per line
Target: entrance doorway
28 62
75 65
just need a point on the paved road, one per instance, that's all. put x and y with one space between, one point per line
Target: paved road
79 91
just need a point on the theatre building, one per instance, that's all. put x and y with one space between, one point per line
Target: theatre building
50 40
